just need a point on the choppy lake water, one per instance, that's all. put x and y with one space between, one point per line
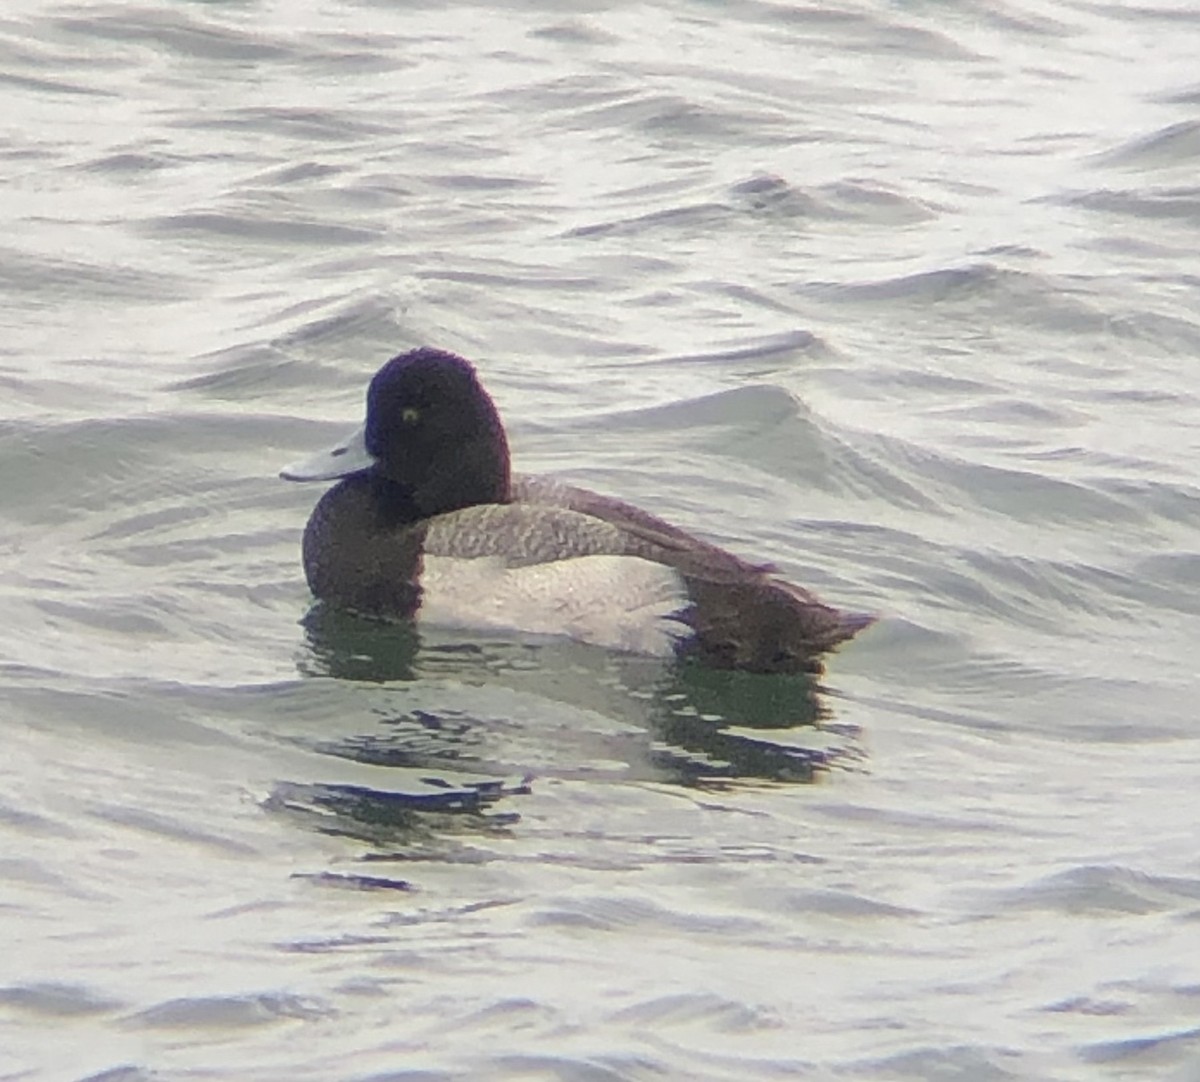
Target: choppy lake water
903 297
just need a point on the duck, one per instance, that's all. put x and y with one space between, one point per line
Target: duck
428 522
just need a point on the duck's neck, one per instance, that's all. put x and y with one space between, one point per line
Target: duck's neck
476 474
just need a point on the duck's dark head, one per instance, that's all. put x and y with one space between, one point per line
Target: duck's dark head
433 441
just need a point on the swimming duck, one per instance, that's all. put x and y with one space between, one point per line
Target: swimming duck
428 521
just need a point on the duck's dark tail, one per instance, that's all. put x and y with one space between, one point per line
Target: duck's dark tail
766 625
851 623
809 624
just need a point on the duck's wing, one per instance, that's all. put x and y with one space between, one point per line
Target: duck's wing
744 614
644 534
521 534
553 571
533 489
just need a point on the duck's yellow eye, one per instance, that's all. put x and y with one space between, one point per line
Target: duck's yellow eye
410 415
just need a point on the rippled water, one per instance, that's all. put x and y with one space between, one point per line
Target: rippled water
901 297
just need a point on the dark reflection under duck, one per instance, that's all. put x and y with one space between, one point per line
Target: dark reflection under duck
666 720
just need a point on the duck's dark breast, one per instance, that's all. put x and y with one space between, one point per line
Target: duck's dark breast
354 560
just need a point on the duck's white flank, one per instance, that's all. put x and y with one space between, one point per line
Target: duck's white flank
619 602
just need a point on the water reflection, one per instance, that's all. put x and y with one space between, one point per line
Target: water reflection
425 811
514 708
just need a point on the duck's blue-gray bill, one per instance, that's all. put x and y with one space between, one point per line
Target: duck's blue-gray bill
349 456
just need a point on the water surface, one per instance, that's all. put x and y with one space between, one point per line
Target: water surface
902 298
